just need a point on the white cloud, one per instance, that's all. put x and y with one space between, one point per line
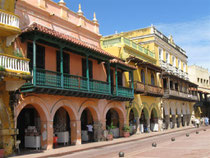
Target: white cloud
193 37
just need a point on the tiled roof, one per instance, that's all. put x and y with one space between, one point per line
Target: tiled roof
43 29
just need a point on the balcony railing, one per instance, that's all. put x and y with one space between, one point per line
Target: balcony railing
124 41
178 94
12 63
8 18
124 92
56 80
154 90
140 87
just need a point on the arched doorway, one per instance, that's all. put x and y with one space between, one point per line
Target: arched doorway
164 119
61 128
29 126
87 122
154 121
144 121
113 123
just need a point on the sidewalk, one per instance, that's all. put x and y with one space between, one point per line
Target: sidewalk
72 149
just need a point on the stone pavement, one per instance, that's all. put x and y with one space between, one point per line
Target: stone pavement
72 149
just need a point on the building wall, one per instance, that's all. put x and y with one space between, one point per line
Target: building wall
59 18
47 105
196 74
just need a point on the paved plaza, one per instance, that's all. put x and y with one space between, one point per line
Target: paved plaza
140 146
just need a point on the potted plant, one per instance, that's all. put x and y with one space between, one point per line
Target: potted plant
109 136
126 131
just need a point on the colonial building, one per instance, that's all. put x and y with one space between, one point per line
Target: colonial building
201 76
167 64
143 112
14 69
75 84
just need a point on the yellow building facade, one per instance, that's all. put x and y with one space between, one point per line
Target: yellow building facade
14 69
143 113
156 54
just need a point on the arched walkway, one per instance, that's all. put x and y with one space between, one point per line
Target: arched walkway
87 123
133 120
38 105
30 123
61 127
113 122
154 120
144 120
120 109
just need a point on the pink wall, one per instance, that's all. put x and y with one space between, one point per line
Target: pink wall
73 25
99 72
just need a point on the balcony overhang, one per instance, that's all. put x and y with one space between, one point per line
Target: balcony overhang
142 63
166 74
66 92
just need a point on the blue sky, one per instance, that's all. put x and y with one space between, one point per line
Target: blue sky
188 21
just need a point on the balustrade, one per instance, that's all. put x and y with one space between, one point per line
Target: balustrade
9 19
14 63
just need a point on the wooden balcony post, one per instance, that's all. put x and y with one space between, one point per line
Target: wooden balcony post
108 76
116 80
87 73
131 79
146 77
34 62
168 83
61 66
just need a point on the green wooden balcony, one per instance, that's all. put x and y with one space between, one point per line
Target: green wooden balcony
123 92
51 82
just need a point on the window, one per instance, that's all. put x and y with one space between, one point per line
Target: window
207 81
40 55
184 67
160 54
66 62
84 68
173 61
179 64
201 80
167 58
152 79
119 78
198 80
142 76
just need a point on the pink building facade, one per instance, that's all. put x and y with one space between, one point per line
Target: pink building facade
75 83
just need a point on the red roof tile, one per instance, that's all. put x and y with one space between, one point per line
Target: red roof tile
62 36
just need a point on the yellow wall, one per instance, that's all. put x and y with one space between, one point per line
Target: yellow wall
7 5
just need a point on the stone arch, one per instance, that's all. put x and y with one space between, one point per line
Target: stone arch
184 111
115 105
187 108
166 108
120 109
37 103
179 109
92 106
173 108
136 113
68 105
145 107
157 111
